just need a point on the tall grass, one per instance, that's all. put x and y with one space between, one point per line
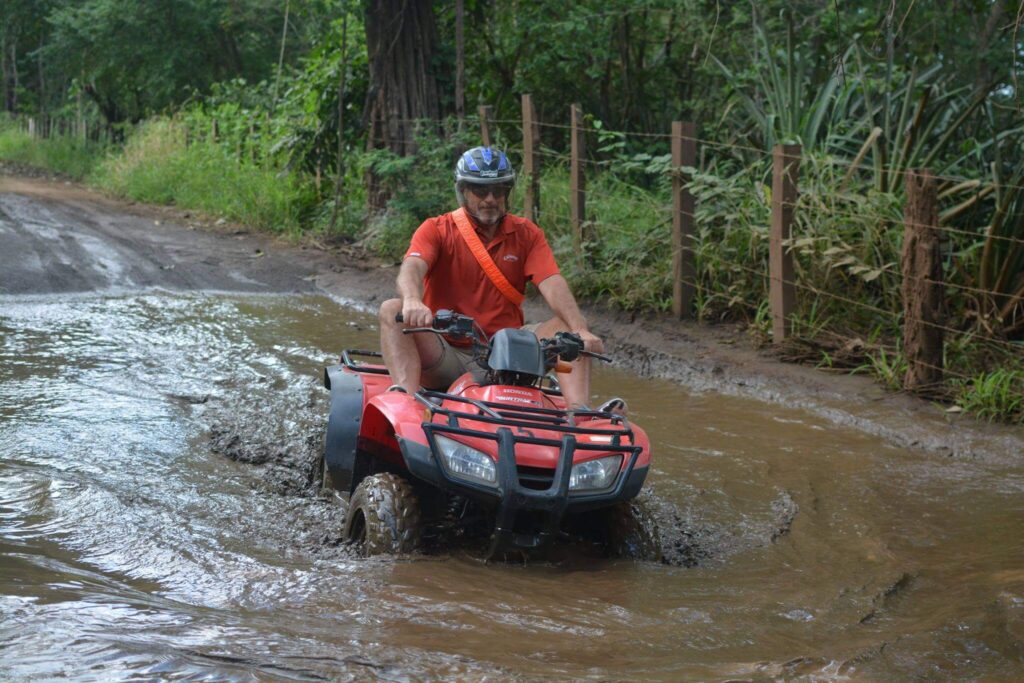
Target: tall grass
70 155
156 166
996 395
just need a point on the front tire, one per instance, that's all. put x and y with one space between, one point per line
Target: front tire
633 532
384 516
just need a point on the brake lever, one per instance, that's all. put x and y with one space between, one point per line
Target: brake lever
606 359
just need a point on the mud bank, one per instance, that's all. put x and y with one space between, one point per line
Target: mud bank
130 245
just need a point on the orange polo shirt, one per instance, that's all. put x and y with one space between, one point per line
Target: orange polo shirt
456 281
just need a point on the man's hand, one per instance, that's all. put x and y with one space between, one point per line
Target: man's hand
415 313
591 342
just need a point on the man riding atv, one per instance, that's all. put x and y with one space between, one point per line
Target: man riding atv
477 260
462 428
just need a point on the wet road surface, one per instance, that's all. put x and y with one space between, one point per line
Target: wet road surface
128 547
130 550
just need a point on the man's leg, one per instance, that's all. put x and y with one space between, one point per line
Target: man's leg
406 355
575 385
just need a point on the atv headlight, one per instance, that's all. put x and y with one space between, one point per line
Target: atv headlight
595 474
465 462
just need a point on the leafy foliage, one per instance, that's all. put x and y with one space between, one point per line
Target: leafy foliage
420 185
869 91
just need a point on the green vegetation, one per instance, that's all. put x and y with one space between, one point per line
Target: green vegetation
72 156
997 395
240 116
157 166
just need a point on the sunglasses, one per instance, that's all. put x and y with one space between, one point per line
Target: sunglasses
496 191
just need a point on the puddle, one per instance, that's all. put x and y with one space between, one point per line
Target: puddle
159 519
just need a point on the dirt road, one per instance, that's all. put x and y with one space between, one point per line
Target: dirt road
59 237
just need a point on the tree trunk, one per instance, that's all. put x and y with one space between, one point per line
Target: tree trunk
339 175
14 78
460 63
107 106
3 69
401 39
42 82
6 57
983 78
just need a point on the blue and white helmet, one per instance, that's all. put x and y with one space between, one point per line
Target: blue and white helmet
483 166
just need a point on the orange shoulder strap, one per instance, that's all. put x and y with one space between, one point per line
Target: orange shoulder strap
484 259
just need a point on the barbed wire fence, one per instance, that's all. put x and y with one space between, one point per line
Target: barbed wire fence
920 317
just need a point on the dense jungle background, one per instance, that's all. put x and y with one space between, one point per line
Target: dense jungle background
338 121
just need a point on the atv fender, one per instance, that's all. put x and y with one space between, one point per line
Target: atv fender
395 414
343 423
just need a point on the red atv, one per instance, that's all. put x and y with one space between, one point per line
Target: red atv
499 441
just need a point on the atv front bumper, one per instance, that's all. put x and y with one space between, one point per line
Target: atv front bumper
517 490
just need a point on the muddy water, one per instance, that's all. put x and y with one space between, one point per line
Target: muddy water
129 549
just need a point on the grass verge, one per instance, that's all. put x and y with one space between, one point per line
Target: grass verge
156 166
72 156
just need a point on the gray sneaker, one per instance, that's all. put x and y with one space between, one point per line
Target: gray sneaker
616 406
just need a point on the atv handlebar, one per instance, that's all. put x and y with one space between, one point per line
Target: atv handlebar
567 346
450 323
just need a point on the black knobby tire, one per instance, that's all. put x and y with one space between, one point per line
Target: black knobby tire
384 516
633 532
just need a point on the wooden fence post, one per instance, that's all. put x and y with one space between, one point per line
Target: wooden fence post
485 111
531 134
684 273
213 131
460 64
31 127
577 180
782 288
922 283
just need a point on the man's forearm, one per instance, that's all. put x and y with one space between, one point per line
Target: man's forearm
410 279
557 294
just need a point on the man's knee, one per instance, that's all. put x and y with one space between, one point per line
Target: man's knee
388 310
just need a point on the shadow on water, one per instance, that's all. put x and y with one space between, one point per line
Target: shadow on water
159 519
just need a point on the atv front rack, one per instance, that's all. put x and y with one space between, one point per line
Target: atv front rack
523 416
520 488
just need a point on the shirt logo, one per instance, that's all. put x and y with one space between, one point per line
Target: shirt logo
509 257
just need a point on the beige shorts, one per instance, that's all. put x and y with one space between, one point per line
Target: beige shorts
454 362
